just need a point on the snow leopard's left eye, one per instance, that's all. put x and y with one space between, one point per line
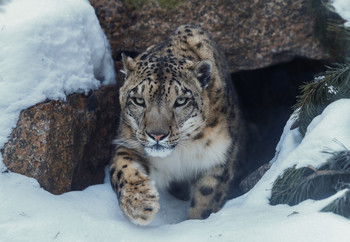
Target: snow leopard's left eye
181 101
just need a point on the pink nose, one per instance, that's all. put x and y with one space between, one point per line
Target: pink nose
157 137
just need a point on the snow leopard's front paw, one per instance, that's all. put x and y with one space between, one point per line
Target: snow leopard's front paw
139 199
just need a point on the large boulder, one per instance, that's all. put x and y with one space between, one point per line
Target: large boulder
65 145
253 34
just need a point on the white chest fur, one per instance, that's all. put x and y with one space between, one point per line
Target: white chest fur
189 159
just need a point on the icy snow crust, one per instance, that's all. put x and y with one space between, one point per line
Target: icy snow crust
58 48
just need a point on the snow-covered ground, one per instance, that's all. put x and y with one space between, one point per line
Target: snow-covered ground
50 48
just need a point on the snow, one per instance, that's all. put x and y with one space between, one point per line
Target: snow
58 48
46 52
342 7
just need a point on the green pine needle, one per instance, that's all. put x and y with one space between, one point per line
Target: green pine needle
297 185
332 85
340 206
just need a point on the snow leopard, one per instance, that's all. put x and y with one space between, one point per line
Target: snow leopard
180 123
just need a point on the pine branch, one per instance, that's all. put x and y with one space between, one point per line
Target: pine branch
297 185
328 87
340 206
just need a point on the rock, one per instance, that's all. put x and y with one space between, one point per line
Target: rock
65 145
250 181
253 34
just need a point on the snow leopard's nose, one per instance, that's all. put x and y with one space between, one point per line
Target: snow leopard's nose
157 136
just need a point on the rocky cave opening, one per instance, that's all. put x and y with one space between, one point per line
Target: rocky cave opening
267 96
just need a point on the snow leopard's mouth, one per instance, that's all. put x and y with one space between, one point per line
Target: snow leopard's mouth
158 150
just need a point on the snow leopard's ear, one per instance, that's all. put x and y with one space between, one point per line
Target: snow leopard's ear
129 64
202 71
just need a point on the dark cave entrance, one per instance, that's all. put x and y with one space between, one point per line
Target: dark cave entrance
267 96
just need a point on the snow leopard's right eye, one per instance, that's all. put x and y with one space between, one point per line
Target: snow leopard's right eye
139 101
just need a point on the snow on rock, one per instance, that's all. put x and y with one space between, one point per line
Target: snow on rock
342 7
48 49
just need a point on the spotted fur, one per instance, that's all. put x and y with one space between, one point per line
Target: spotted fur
180 123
